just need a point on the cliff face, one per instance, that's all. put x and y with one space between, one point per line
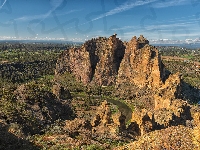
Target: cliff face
141 65
77 62
101 60
135 68
35 108
169 91
96 61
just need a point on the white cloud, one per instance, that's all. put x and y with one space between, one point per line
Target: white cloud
3 4
174 28
124 7
170 33
43 16
168 3
123 28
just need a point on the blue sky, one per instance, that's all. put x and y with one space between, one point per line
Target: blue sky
79 20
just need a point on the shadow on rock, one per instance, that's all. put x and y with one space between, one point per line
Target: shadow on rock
9 141
189 93
34 108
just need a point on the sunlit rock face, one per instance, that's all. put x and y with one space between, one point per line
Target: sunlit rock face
137 72
96 61
134 68
141 65
102 60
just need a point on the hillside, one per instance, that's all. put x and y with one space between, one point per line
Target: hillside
160 98
105 94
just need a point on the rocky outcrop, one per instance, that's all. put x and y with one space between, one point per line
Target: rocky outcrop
137 72
196 137
177 113
35 108
77 62
143 121
168 91
175 137
103 115
196 117
61 92
96 61
174 127
83 132
106 122
135 68
141 65
80 132
120 120
79 127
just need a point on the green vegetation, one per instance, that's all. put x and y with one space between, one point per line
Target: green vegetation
125 102
192 54
186 62
93 147
29 52
189 74
28 108
31 105
26 56
68 81
114 109
27 105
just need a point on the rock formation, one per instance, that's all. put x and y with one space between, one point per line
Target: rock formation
136 69
101 60
61 92
175 137
175 127
168 91
103 115
95 61
109 61
176 113
196 133
36 108
103 126
141 65
104 121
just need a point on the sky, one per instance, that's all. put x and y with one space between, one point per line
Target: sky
80 20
